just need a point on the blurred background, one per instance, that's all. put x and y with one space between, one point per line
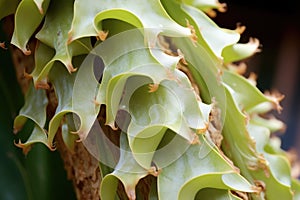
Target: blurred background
277 26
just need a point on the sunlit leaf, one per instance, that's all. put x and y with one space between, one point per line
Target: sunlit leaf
191 173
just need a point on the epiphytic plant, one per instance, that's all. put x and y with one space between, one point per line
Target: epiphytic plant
168 79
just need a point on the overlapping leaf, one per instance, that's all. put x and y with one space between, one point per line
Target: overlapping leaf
128 171
243 148
54 33
89 14
37 113
200 167
165 111
173 106
220 42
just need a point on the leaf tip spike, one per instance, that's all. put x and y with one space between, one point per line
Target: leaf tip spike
153 87
154 171
70 67
102 35
195 139
26 75
2 45
97 103
131 193
239 28
70 37
276 98
193 36
42 85
25 148
27 51
222 7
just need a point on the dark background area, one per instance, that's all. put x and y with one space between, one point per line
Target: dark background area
277 26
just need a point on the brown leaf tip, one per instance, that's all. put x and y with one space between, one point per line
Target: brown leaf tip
26 75
102 35
25 148
181 56
239 28
153 87
70 37
2 45
70 68
222 7
27 51
193 36
276 97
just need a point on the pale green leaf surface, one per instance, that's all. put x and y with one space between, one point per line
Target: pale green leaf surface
217 38
54 34
187 175
278 164
202 3
37 113
132 59
272 123
128 171
39 4
84 95
241 90
240 51
68 138
220 42
25 26
63 83
173 105
43 55
205 72
88 16
213 38
242 149
296 189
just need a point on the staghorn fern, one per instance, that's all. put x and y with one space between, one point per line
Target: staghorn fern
192 120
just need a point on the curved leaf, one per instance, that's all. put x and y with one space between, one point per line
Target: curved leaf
172 106
88 16
54 33
254 165
189 174
241 89
128 171
240 51
25 26
37 113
